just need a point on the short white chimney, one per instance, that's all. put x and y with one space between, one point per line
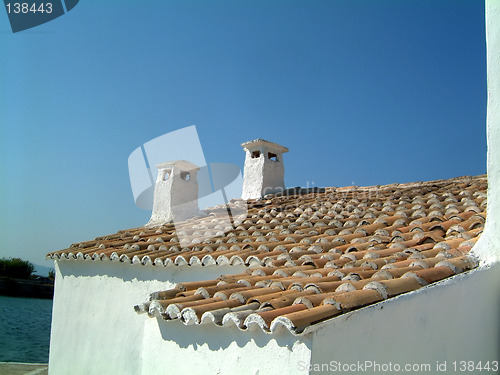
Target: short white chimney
264 172
176 193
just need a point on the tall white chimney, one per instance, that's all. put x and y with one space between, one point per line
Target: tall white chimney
264 172
176 193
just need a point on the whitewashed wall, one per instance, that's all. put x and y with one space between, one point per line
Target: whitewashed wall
95 329
220 350
488 246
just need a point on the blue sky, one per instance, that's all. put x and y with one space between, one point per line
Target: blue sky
364 92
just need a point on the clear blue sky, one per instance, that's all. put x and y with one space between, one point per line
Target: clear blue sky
370 92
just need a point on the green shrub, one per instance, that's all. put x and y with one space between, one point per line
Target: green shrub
16 268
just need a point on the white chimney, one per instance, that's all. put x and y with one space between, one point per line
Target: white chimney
176 193
264 172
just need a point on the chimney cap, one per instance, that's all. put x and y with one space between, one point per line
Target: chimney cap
262 142
181 164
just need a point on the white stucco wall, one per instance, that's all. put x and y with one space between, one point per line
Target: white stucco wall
488 246
220 350
95 329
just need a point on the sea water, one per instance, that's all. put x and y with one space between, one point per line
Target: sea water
25 329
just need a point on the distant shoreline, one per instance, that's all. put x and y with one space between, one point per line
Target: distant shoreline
24 368
42 288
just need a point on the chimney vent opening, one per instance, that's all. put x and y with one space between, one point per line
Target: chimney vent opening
186 176
272 157
166 174
256 154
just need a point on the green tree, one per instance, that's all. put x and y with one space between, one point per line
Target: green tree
16 268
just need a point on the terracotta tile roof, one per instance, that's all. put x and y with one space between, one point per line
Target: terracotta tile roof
310 255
